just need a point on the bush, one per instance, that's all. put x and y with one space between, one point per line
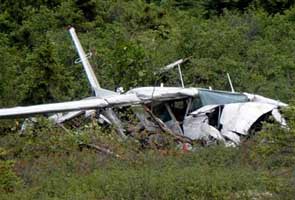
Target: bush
9 181
275 145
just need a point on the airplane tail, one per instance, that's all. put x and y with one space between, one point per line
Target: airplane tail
95 86
87 67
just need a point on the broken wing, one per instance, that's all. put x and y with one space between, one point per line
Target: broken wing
86 104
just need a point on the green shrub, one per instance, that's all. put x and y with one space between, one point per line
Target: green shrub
275 145
213 173
9 181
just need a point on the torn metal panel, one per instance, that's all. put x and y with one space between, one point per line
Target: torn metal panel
100 118
197 127
239 117
204 109
233 121
116 122
261 99
61 118
231 136
278 117
29 122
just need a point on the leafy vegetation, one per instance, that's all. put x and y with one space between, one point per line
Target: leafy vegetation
47 163
253 40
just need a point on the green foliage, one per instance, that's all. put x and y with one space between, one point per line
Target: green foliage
129 69
130 40
45 80
50 165
213 173
275 145
9 181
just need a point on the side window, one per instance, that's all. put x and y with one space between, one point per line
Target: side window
196 104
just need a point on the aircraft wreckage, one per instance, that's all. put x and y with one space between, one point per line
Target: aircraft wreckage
189 113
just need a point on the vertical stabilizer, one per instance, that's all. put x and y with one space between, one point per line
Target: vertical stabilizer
87 67
99 92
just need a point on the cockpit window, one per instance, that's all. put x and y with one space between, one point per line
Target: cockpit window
196 104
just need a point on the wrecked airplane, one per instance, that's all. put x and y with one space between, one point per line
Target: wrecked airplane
187 113
210 115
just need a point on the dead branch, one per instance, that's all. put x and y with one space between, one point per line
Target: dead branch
100 149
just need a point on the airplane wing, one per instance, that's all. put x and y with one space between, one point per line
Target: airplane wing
137 96
86 104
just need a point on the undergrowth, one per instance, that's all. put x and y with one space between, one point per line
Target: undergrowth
47 162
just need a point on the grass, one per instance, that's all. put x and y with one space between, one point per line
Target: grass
48 164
